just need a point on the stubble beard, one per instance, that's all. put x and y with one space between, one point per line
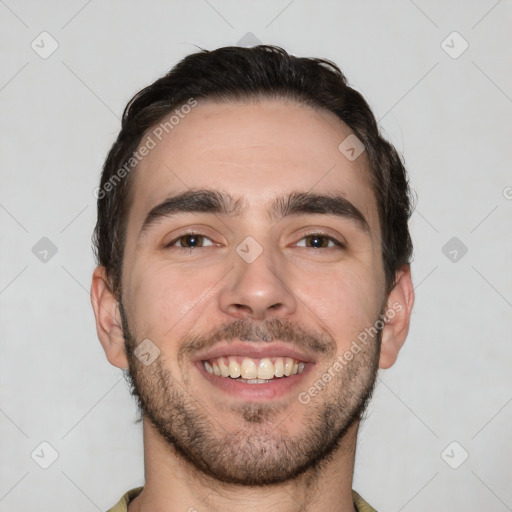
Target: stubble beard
261 451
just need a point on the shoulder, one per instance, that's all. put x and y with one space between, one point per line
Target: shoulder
122 504
360 504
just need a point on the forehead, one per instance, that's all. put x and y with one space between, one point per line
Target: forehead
257 151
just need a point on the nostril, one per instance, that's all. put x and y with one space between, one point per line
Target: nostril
242 308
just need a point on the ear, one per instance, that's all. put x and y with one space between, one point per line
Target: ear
108 319
397 317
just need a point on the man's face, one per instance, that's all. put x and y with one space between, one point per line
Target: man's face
265 288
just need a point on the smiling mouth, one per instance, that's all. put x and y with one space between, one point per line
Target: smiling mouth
254 371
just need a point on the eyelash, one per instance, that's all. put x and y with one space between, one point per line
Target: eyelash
336 242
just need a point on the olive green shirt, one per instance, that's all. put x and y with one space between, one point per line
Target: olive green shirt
122 505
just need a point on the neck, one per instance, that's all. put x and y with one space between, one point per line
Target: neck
173 484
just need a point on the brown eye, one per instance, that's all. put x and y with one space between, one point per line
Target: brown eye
190 241
319 241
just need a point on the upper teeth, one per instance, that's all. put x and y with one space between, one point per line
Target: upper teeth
248 368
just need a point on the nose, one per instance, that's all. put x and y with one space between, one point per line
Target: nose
257 290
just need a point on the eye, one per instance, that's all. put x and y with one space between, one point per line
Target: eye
320 241
190 241
197 240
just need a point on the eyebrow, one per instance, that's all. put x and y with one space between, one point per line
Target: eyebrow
220 202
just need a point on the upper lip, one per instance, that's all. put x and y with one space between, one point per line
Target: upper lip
254 350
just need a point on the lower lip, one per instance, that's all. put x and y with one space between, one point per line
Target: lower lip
277 388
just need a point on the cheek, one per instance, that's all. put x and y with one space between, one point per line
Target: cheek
344 301
162 296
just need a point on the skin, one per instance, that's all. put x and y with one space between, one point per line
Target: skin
255 151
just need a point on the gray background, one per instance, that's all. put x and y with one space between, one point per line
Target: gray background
451 118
